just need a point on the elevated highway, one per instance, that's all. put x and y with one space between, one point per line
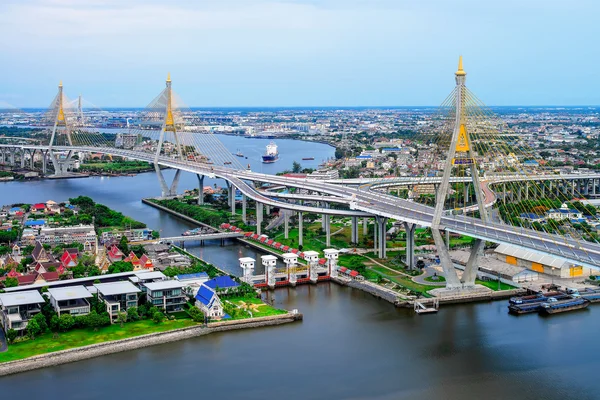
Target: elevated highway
375 204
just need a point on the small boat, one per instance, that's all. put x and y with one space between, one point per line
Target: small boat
308 158
239 153
554 306
227 162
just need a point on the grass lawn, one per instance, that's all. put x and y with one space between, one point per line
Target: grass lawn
83 337
255 305
494 285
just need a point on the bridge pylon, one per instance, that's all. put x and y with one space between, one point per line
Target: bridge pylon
168 125
60 131
460 155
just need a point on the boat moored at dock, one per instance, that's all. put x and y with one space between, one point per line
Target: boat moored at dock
557 306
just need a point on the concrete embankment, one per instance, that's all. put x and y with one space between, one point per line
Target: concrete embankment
117 346
371 288
178 215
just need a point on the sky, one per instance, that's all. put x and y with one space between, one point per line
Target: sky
229 53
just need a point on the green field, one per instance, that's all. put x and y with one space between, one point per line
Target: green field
256 306
46 343
494 285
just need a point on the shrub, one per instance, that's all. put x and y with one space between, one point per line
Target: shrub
158 317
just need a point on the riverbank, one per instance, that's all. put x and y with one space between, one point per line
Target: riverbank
138 342
148 201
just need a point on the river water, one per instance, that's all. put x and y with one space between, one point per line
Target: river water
349 346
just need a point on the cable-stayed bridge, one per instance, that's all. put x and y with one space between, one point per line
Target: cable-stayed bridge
161 135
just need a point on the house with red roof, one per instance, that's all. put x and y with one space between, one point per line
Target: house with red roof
38 208
133 259
28 279
69 258
114 254
146 263
47 277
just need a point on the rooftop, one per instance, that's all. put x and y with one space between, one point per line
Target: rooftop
21 298
114 288
164 285
70 293
187 277
221 282
247 259
142 275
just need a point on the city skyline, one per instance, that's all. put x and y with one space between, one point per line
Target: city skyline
277 53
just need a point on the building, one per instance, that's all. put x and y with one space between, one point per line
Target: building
563 212
118 296
209 303
193 281
70 300
167 295
132 235
494 268
140 278
84 234
543 263
532 217
324 174
16 309
222 284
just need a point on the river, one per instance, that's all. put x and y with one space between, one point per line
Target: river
349 346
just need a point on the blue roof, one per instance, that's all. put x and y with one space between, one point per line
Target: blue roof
34 222
192 276
530 216
221 282
205 295
15 209
365 156
392 149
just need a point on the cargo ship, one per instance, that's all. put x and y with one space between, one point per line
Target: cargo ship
271 155
308 158
554 306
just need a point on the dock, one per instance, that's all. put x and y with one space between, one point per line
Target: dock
420 308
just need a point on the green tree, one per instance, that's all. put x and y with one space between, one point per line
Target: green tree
65 322
158 317
4 250
27 250
120 266
11 282
123 246
41 321
54 325
11 335
296 167
33 329
132 314
196 314
122 318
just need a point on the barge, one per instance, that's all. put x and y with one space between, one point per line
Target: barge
558 306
